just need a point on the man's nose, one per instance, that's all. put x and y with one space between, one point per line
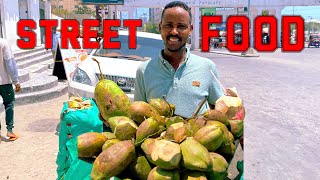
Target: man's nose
174 31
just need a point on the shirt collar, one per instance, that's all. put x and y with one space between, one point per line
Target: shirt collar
163 61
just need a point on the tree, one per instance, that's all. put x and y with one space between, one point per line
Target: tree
265 12
56 9
152 28
83 9
312 27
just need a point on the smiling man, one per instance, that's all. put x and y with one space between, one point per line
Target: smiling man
184 78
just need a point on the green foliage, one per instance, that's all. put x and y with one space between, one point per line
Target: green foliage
265 12
83 9
61 12
312 27
152 28
57 10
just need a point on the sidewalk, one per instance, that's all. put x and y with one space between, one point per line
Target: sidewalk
33 155
227 52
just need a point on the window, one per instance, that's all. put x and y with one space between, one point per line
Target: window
146 47
76 6
60 6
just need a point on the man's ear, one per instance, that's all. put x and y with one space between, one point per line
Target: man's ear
159 26
191 28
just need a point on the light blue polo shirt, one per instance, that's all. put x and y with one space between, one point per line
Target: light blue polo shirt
184 87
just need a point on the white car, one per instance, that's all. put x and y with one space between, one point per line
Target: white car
118 65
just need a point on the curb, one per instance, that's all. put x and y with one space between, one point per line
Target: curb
235 54
230 53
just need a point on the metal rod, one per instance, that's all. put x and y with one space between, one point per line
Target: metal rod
194 115
221 86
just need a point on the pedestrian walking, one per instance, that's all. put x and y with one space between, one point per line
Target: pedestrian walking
55 37
8 77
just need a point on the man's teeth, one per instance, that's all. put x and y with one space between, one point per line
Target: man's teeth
174 39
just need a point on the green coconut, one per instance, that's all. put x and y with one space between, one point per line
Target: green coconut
195 156
210 136
160 174
113 161
166 154
90 144
110 98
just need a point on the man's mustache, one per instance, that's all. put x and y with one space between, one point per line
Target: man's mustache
170 36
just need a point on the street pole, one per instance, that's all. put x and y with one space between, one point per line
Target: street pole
312 27
311 18
250 51
249 9
249 23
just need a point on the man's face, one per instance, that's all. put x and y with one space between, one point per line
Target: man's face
175 28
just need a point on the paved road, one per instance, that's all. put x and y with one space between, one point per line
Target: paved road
280 92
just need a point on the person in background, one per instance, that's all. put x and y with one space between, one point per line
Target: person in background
220 42
265 38
55 37
184 78
8 76
291 39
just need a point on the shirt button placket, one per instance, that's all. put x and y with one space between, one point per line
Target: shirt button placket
175 79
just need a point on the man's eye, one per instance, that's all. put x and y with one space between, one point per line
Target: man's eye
168 26
182 27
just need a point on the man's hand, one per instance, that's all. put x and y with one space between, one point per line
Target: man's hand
17 87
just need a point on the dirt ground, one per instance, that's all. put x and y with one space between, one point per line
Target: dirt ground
33 155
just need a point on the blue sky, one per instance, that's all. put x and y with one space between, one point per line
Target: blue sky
138 13
305 11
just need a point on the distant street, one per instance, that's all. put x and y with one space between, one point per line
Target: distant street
280 92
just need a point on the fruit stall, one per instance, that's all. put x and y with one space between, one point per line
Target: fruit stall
109 137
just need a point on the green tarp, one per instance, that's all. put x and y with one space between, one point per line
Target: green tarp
72 124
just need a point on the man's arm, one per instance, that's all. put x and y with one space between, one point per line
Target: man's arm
12 70
139 90
211 106
10 65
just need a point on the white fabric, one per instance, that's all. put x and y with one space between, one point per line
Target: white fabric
5 55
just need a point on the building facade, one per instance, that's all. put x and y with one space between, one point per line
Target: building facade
155 15
11 11
69 5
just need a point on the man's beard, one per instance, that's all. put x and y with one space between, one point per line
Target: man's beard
176 50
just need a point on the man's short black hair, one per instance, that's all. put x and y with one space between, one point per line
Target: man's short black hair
177 4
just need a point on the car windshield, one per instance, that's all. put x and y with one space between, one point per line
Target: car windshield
146 48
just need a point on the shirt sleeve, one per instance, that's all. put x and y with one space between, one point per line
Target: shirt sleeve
7 52
10 63
12 70
215 91
139 89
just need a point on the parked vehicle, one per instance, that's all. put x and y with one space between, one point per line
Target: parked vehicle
314 40
118 65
